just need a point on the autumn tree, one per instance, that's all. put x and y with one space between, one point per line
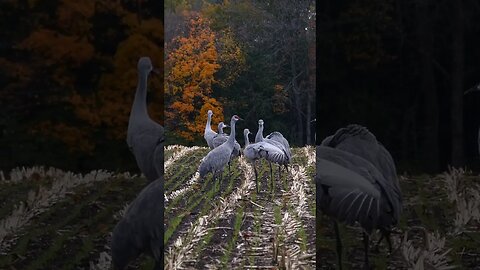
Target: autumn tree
192 62
69 79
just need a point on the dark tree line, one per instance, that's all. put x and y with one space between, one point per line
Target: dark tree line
68 77
400 68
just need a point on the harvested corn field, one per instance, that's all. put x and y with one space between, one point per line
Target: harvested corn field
228 225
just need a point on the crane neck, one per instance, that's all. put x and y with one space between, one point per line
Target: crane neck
231 138
247 141
140 102
209 120
259 136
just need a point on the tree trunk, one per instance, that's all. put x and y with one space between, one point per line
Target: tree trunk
298 110
308 118
457 155
297 96
428 87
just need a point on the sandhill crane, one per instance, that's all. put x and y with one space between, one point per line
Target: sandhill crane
476 88
220 127
141 228
145 136
356 182
218 157
209 133
259 135
256 151
220 138
275 138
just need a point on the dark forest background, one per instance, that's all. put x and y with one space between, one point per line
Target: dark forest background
68 78
251 58
400 68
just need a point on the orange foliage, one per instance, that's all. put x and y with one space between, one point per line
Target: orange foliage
190 68
70 46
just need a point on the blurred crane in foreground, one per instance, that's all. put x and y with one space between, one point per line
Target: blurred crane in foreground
145 136
356 181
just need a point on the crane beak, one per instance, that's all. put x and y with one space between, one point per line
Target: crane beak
473 89
156 71
227 126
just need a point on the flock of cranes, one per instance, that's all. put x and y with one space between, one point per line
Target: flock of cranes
274 148
356 180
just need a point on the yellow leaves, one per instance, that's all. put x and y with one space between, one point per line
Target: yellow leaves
201 119
231 56
83 109
56 47
77 138
193 59
190 68
74 15
149 27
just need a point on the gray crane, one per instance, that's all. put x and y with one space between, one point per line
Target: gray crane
141 228
275 138
356 181
209 133
220 127
476 88
145 136
220 138
218 157
262 149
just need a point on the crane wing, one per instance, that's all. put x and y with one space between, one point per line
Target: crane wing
277 136
219 139
359 141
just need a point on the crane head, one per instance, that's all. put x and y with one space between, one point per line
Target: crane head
221 125
210 113
144 64
260 122
246 132
236 118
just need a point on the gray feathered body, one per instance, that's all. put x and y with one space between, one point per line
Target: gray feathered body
219 139
216 160
208 136
356 179
267 151
144 136
277 136
145 139
141 228
218 157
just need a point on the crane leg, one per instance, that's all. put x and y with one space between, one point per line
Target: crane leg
256 174
376 249
389 241
220 182
271 174
365 244
384 234
339 245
